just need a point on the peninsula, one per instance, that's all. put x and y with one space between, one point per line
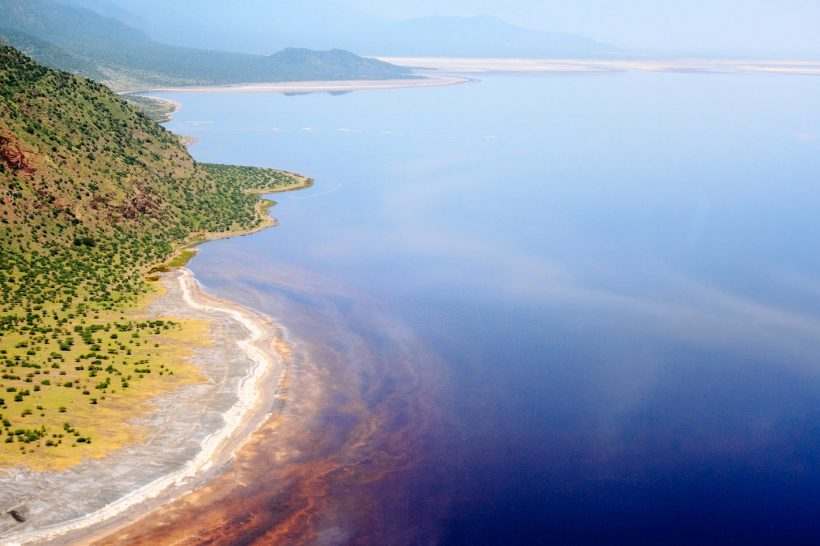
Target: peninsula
100 336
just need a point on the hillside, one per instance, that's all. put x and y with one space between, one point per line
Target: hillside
93 195
49 54
99 47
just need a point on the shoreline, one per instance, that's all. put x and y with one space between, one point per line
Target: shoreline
251 409
257 395
306 87
175 104
192 242
467 66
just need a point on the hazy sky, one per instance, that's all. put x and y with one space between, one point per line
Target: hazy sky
773 26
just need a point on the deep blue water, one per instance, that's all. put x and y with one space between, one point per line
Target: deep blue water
614 279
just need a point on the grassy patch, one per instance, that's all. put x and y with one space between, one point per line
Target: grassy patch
76 396
181 259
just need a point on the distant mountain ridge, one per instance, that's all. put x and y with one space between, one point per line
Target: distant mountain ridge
49 54
263 25
88 43
108 9
484 36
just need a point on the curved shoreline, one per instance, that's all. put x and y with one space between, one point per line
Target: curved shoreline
244 417
341 86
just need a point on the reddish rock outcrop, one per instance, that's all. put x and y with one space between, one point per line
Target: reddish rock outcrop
13 157
144 203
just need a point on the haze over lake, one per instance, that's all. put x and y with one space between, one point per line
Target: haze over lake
608 286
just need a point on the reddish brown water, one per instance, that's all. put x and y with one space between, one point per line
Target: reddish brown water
329 467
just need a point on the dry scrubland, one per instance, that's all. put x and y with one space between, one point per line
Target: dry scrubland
93 195
89 385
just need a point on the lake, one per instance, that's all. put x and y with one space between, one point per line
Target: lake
564 309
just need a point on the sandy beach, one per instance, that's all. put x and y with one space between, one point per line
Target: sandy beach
575 66
69 506
321 86
478 66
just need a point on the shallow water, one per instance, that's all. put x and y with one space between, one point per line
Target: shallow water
542 309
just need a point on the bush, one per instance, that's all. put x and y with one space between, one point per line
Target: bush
85 241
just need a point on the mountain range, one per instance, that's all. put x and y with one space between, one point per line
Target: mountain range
262 26
103 45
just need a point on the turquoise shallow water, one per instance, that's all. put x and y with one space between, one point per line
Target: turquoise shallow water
607 287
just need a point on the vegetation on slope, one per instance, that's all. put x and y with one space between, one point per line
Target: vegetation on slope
92 195
49 54
84 42
159 110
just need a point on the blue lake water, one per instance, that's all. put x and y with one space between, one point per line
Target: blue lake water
607 289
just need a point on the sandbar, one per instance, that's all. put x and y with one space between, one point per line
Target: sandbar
569 66
321 86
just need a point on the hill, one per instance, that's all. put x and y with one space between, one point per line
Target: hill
93 195
296 64
49 54
100 47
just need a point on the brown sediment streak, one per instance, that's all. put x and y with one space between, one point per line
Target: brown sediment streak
310 468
